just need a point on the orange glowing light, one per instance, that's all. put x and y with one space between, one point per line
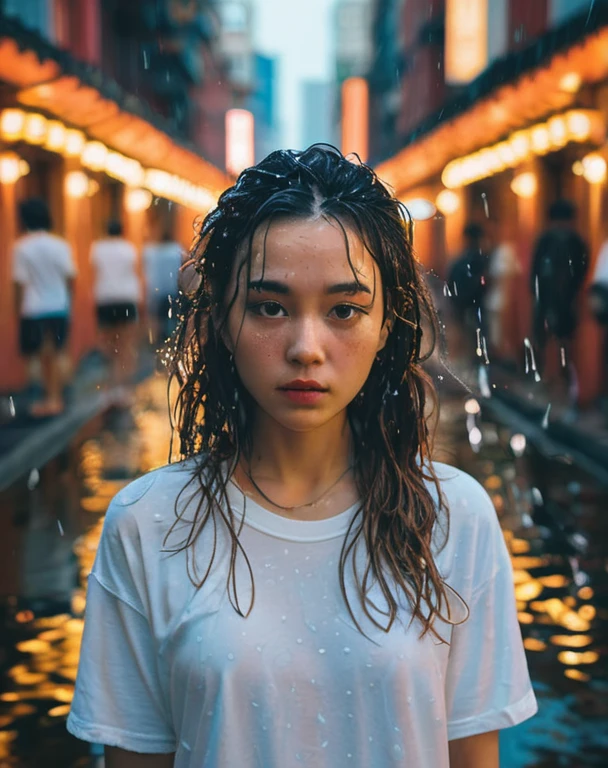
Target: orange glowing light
571 641
533 644
585 593
578 657
240 130
466 40
525 618
519 546
576 674
554 581
355 111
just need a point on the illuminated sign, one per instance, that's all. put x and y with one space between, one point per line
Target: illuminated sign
466 40
239 140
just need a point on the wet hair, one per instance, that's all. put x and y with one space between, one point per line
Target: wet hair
34 215
392 435
114 228
562 210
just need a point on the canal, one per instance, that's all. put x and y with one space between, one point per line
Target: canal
553 514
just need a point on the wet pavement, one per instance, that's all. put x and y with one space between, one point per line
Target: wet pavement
553 514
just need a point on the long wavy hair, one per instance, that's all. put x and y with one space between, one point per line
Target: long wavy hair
392 436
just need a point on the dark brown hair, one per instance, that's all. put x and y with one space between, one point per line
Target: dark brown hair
211 415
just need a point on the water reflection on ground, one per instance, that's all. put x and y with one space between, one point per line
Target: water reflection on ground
552 514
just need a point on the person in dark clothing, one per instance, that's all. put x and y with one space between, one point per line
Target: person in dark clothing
467 282
559 265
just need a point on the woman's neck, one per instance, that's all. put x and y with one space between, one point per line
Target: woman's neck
295 467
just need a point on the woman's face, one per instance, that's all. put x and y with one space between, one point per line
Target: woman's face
303 334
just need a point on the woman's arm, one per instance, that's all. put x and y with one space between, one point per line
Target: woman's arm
480 751
120 758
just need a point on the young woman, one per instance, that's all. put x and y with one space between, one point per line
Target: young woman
306 587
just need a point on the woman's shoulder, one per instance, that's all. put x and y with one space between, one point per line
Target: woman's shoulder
466 500
149 498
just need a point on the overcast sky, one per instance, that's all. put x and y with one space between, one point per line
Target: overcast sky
300 34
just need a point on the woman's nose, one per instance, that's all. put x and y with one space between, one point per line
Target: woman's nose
305 343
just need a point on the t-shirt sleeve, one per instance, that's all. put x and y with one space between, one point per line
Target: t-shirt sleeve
487 684
119 699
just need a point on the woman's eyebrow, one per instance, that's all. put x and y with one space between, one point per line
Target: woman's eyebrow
274 286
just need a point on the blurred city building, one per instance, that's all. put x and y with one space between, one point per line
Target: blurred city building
105 108
319 113
488 111
354 49
262 103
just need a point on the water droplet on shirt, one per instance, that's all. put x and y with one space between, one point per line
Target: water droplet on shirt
347 650
288 725
371 685
324 744
258 648
283 618
350 714
368 665
199 639
313 681
349 693
371 738
299 640
320 718
396 728
158 517
409 701
348 754
321 650
397 751
296 570
254 704
286 551
231 656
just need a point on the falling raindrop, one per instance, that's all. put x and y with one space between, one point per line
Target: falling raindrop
11 406
33 479
545 422
486 207
562 351
61 531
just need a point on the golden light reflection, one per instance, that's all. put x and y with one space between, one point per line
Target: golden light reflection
519 546
533 644
576 674
61 711
526 563
587 612
525 618
561 614
521 577
33 646
554 581
528 590
585 593
571 641
578 657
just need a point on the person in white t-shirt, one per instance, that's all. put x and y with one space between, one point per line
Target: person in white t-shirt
43 277
162 263
117 295
306 587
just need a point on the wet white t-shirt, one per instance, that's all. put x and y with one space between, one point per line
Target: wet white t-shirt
166 668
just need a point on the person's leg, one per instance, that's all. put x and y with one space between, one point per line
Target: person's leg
54 337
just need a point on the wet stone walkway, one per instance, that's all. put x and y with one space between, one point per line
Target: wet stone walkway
553 515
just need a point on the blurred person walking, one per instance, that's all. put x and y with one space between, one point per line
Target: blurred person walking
117 295
43 276
162 262
503 270
559 265
467 281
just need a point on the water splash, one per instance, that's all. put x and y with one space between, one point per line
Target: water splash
545 421
530 359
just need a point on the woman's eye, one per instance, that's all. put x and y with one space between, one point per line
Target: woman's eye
268 309
346 311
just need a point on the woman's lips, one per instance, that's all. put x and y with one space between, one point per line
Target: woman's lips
303 396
